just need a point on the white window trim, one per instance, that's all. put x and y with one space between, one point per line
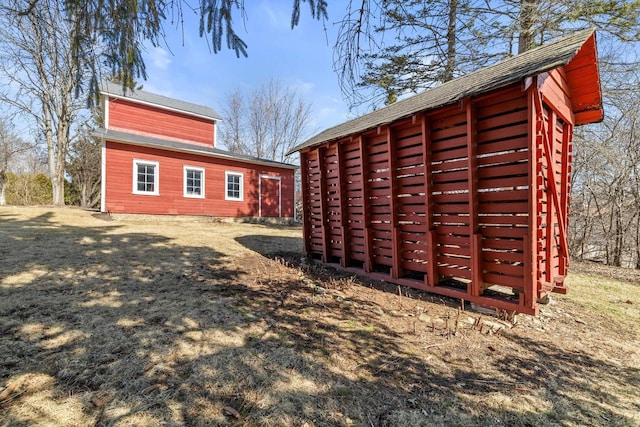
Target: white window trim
184 186
226 186
156 186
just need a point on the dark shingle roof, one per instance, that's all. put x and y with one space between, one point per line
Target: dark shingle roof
535 61
117 91
148 141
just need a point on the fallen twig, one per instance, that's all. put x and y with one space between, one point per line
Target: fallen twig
370 421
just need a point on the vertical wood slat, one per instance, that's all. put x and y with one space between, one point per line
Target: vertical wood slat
396 244
432 271
323 204
530 252
550 132
472 177
368 239
344 223
304 175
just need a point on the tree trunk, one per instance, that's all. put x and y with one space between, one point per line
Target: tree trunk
450 66
56 170
3 181
84 196
528 12
57 185
638 242
618 241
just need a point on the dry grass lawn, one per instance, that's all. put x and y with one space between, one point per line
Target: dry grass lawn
198 323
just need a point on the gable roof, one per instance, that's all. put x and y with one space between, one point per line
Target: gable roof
535 61
151 142
116 90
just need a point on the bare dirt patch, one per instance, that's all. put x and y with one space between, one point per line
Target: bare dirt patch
174 323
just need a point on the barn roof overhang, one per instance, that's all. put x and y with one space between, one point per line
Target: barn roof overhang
576 52
181 147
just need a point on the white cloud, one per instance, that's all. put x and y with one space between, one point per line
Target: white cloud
302 87
276 17
159 58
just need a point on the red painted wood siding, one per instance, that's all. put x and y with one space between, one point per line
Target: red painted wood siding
143 119
269 197
119 195
441 202
584 84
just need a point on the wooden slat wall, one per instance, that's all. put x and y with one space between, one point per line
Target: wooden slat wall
312 204
553 174
450 191
354 197
440 201
331 195
502 123
378 182
411 206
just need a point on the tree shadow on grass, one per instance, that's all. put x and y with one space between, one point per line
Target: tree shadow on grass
88 308
106 327
272 246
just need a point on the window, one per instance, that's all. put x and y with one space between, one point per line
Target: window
145 175
193 182
234 189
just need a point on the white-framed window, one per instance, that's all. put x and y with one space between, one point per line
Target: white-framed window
145 177
193 182
234 188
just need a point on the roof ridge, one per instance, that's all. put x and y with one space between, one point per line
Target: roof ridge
119 91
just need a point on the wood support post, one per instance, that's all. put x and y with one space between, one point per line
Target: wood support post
472 178
531 286
530 280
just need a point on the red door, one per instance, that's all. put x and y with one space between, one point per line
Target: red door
270 196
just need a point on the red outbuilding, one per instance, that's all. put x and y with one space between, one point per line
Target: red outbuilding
462 190
159 156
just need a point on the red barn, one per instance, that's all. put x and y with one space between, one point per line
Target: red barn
462 190
159 156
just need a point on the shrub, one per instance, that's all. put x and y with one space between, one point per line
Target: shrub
28 190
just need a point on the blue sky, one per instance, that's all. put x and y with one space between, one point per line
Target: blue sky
300 58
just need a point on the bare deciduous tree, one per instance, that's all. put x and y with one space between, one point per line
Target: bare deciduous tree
605 208
36 60
10 145
266 123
